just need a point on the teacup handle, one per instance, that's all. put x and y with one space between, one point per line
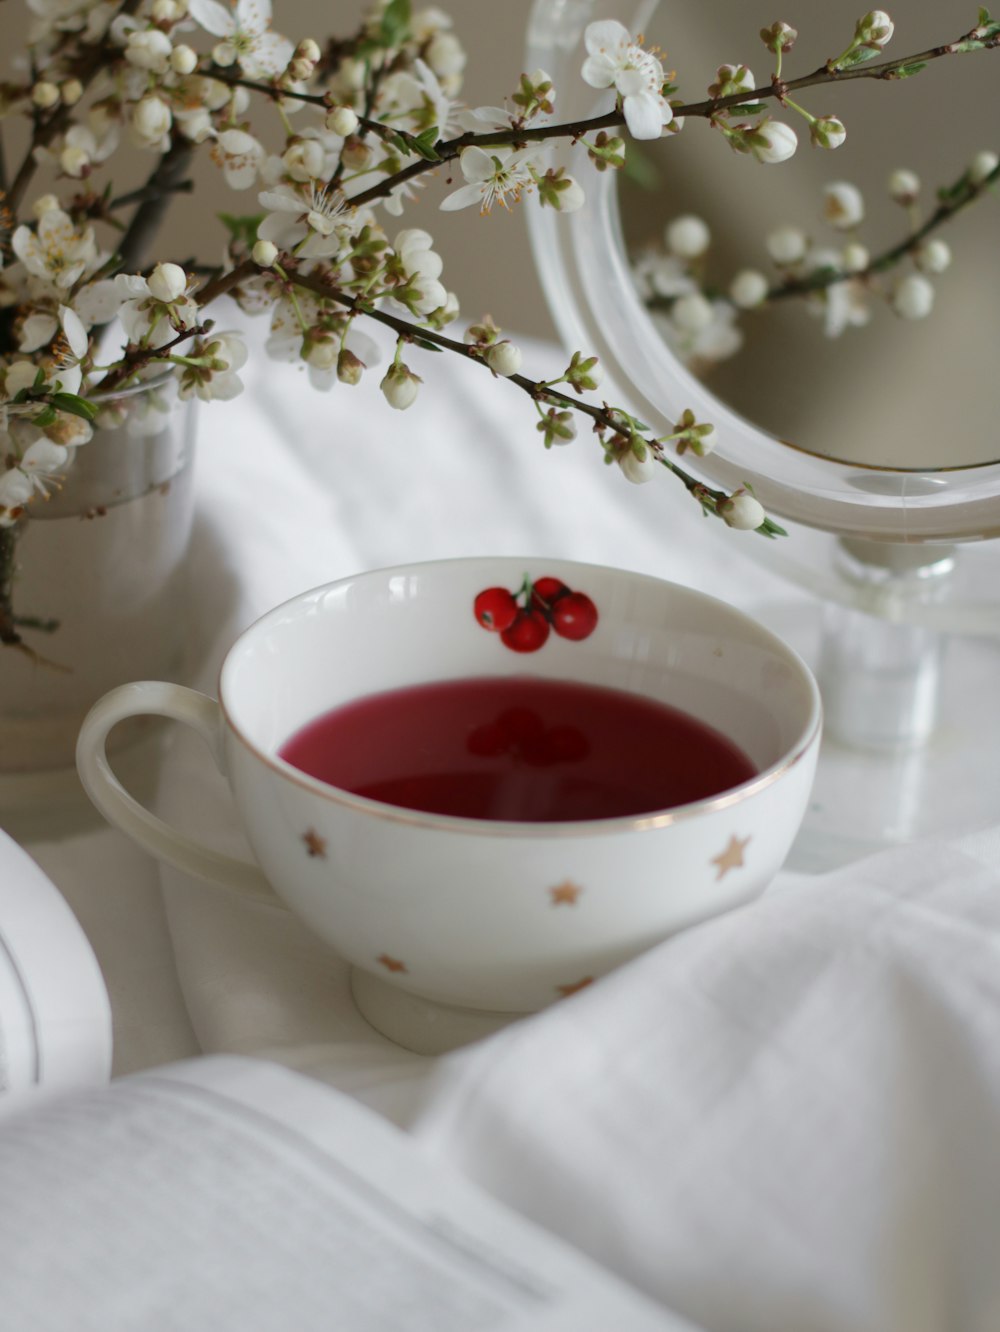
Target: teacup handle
158 699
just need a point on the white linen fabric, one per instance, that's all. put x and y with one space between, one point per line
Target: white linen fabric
782 1119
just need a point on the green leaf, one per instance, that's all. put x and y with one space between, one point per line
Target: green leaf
908 71
395 25
46 417
242 229
427 346
425 144
75 405
984 18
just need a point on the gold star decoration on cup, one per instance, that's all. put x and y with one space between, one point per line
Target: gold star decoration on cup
565 893
315 845
391 963
731 858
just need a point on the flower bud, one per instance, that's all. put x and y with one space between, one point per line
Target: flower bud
504 358
585 372
787 245
44 204
748 289
445 55
779 37
772 141
71 91
165 11
322 355
224 53
264 253
855 257
167 282
355 154
309 50
149 48
730 80
843 205
342 120
904 186
74 161
45 95
151 119
303 159
983 165
913 297
933 256
350 368
299 70
875 29
557 427
637 463
400 386
687 236
827 132
742 511
183 60
693 312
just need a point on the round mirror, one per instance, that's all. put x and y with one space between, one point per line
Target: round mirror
882 432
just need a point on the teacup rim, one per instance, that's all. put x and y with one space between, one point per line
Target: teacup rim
808 737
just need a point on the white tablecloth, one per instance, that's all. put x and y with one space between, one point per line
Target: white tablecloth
296 489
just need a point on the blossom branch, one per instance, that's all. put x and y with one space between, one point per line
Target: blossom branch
605 417
90 64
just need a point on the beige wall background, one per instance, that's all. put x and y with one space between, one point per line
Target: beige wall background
899 380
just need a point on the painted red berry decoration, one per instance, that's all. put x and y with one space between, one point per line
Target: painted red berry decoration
574 616
546 592
495 608
527 633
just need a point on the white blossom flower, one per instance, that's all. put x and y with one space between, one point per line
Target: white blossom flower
688 237
239 155
15 491
314 224
245 29
227 353
913 297
167 282
742 511
841 305
147 319
843 205
293 334
42 463
492 176
614 60
56 251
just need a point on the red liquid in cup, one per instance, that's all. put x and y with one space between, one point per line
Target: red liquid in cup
524 750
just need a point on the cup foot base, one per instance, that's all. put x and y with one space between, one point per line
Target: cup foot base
421 1025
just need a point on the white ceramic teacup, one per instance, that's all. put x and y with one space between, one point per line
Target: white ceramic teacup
484 918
